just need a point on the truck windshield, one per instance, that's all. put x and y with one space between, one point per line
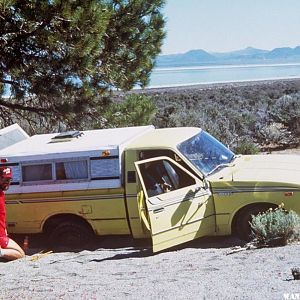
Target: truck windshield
206 153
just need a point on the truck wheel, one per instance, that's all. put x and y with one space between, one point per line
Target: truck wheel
242 225
70 235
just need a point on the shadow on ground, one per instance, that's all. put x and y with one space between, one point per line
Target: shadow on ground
138 247
144 249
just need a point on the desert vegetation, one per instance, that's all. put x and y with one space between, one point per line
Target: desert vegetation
276 227
248 117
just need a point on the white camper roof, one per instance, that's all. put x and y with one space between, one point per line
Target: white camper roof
39 145
11 135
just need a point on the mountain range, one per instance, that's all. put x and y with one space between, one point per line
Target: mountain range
248 55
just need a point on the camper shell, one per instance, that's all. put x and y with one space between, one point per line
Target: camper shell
71 160
72 178
11 135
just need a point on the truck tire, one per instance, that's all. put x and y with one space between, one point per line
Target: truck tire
70 235
242 225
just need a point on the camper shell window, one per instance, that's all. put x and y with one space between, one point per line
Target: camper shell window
38 172
53 171
71 170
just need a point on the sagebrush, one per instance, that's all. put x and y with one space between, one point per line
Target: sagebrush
276 226
266 114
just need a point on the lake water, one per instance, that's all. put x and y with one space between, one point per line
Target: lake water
216 74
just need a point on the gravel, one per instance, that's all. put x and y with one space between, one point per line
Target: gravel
119 268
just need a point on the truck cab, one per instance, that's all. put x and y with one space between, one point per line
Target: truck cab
175 204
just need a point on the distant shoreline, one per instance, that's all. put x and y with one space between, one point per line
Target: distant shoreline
227 66
212 85
219 74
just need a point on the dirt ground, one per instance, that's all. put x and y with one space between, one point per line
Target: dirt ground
119 268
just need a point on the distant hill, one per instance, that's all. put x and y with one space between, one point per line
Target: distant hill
193 57
248 55
285 52
244 53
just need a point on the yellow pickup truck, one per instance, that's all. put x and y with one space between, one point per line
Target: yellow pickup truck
173 185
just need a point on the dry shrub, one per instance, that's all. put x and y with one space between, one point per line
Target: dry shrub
276 227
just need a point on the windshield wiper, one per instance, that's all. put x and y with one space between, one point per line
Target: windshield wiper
219 166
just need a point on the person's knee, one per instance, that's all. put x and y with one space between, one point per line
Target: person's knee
15 250
20 255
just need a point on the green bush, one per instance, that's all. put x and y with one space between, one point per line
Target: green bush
276 227
133 110
246 147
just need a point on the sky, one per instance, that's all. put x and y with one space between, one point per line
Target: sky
227 25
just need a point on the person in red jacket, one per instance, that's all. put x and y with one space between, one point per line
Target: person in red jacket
9 249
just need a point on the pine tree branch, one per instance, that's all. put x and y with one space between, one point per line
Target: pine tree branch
15 106
5 81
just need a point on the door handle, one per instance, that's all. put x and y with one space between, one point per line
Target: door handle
155 211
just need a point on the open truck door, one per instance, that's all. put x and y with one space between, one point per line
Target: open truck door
175 205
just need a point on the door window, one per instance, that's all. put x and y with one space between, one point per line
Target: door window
162 176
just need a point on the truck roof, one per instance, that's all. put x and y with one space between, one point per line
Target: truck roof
163 138
72 142
115 140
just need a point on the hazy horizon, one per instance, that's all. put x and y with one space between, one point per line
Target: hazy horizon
231 25
208 51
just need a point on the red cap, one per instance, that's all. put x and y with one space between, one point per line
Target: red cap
5 172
